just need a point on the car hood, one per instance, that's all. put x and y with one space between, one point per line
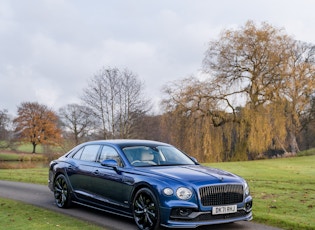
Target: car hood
193 173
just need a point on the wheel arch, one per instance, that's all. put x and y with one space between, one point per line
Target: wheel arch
63 195
139 211
144 185
60 172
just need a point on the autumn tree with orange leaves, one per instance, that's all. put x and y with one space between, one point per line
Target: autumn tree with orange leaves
37 124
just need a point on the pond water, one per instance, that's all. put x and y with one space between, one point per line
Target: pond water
23 164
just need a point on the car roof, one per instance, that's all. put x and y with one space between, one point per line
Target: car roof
127 142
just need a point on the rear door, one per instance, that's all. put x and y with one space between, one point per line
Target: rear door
81 173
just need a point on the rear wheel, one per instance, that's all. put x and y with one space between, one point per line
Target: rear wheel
146 210
62 192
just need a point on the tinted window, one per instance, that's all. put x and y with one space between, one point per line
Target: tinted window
77 155
87 153
109 153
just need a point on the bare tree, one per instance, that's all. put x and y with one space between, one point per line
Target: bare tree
78 120
5 121
37 124
117 100
249 62
299 90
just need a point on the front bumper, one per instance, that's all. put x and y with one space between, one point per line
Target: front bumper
191 217
206 218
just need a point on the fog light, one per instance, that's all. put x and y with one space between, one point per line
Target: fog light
248 206
184 212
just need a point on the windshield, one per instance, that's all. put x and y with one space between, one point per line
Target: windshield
155 156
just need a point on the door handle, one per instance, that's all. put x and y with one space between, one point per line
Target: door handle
72 168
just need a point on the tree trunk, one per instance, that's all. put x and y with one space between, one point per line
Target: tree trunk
294 148
34 147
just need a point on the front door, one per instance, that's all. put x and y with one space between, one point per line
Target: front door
110 183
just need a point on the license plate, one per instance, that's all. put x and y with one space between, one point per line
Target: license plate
224 209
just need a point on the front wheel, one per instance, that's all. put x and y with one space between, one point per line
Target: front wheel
146 210
62 192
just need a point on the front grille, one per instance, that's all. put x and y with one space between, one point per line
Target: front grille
221 194
210 217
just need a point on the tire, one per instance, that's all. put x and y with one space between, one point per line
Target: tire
145 210
62 192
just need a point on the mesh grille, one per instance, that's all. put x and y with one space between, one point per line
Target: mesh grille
221 194
209 217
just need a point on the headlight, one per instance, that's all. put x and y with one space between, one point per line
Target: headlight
246 189
183 193
168 191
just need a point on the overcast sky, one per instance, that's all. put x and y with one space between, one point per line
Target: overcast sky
49 49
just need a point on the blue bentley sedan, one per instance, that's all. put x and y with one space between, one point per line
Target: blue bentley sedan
152 182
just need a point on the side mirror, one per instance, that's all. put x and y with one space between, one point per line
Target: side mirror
194 160
110 163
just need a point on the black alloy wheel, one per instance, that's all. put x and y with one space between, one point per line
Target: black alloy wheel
146 210
62 192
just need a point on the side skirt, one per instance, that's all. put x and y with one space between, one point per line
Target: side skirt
128 215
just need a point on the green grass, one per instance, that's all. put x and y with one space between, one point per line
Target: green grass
308 152
21 157
9 157
17 215
21 147
27 147
33 175
283 190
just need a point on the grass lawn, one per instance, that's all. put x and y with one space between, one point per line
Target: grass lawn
32 175
283 189
16 215
21 157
